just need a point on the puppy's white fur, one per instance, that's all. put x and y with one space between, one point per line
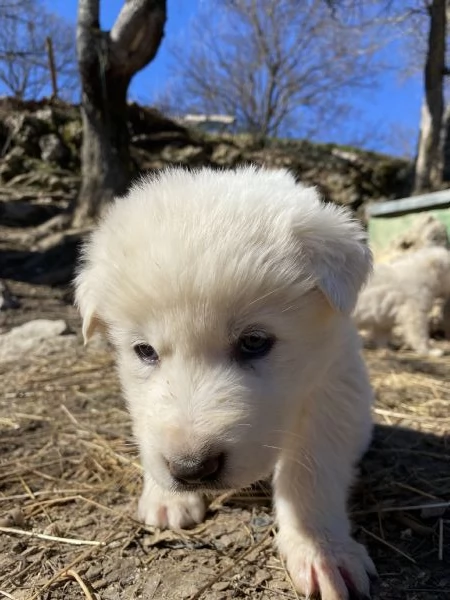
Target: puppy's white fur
401 293
187 262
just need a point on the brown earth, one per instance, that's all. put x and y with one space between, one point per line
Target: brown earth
40 145
69 470
40 175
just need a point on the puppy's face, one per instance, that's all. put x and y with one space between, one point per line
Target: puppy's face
226 297
219 379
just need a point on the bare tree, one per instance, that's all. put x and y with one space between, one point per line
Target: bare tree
446 146
24 70
446 118
272 65
107 61
421 49
428 162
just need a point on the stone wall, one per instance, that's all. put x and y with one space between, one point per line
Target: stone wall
40 142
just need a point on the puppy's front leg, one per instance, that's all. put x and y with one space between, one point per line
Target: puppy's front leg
161 508
414 322
311 484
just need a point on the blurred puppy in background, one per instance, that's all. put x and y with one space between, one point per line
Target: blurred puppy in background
401 293
228 298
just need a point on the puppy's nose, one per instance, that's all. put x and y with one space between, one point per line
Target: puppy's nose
196 470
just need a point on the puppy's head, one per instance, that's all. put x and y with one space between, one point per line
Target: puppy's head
226 295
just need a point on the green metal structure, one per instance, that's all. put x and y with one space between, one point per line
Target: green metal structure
387 220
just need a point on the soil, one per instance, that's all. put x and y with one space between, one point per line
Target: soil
69 470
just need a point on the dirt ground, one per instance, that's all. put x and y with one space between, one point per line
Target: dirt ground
70 478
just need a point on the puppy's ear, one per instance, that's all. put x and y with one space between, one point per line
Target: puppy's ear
335 246
86 303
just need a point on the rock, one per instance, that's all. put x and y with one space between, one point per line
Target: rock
192 155
351 157
142 119
225 154
221 586
53 149
45 114
38 136
72 133
13 518
13 163
26 130
41 336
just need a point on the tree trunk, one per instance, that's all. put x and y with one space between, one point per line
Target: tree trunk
428 164
105 154
446 124
107 62
446 146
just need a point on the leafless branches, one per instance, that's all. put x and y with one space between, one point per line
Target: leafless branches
273 65
24 71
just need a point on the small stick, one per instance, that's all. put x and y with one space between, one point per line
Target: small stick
51 65
391 546
51 538
241 556
405 486
411 417
61 573
83 586
441 540
387 509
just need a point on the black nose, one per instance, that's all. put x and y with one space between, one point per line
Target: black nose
196 470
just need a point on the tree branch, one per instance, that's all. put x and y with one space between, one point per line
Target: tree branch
88 21
136 35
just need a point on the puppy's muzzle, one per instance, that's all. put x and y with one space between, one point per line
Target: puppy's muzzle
196 470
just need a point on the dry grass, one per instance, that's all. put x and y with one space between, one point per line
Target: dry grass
70 477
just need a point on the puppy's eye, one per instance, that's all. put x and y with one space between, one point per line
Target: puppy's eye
253 344
146 353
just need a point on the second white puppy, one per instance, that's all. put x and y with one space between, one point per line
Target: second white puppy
227 295
401 293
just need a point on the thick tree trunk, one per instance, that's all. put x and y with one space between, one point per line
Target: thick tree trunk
446 125
428 164
446 146
107 62
105 152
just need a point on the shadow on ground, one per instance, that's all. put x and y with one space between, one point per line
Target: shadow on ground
69 470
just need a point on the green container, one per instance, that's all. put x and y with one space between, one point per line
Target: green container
387 220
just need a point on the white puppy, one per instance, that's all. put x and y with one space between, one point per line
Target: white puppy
401 293
228 297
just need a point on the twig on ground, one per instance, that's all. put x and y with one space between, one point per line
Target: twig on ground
238 559
51 538
388 545
83 586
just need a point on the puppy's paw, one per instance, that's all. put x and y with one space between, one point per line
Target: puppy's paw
170 511
333 570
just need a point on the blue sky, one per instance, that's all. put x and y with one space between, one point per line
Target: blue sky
391 111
